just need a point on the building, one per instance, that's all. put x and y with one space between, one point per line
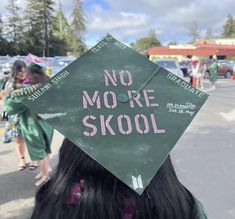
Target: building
222 48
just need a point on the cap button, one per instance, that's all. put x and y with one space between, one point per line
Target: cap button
122 98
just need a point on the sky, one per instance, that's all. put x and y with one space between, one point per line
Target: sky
129 20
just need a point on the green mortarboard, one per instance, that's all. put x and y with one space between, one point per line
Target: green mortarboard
34 66
123 110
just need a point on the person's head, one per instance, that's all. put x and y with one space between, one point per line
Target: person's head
102 195
214 58
194 63
18 72
36 73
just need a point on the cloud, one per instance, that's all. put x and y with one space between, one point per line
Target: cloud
124 25
130 20
171 19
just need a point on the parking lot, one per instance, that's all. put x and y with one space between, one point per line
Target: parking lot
203 157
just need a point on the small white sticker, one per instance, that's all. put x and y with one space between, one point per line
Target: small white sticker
137 182
47 116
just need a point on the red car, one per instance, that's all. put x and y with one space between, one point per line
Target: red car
225 68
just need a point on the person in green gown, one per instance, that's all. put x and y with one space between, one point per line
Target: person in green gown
214 71
36 132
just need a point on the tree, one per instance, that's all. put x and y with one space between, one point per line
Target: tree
194 33
38 26
1 26
78 28
47 10
14 31
229 27
3 42
61 33
143 44
33 35
132 45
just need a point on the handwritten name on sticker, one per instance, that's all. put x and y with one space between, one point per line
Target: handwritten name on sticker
187 108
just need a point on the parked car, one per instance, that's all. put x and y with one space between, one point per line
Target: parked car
170 65
225 68
184 66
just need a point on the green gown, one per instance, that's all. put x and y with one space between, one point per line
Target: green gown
36 132
214 72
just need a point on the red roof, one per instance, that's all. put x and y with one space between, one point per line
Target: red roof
200 51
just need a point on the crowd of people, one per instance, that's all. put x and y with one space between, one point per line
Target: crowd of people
198 69
80 187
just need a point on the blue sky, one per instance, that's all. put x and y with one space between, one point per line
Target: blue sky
128 20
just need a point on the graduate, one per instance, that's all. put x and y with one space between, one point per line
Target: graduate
121 115
37 133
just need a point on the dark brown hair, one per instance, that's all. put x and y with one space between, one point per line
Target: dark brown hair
103 196
37 74
17 67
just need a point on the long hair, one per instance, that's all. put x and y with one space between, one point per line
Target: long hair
104 196
37 74
201 66
17 67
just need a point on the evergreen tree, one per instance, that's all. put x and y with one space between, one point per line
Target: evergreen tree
229 27
14 25
38 26
78 28
61 33
1 27
4 45
61 27
47 11
33 28
1 35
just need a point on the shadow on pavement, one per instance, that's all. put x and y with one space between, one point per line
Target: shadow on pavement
17 191
5 152
16 185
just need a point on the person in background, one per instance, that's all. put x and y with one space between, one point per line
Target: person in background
82 188
13 127
189 66
213 71
193 75
200 72
3 82
36 132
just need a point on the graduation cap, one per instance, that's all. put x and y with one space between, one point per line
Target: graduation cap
35 62
123 110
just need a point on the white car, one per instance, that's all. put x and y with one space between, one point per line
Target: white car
170 65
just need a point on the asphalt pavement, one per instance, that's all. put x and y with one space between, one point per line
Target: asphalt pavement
204 160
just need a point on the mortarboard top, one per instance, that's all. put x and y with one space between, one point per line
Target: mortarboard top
123 110
35 62
34 66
